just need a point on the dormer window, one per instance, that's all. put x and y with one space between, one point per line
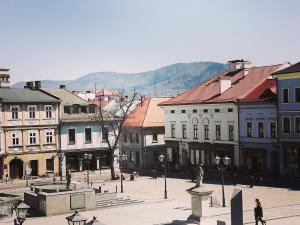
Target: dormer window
91 109
75 110
67 109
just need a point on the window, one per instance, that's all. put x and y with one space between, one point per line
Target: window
75 109
230 110
297 95
260 127
286 124
131 156
217 110
154 137
91 109
218 132
71 136
49 137
195 131
249 129
194 110
285 95
15 139
31 110
32 138
105 134
172 111
88 134
49 165
173 130
206 132
14 112
137 138
125 137
183 111
297 124
205 110
230 132
183 130
48 110
273 130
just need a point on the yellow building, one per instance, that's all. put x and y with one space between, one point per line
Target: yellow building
29 132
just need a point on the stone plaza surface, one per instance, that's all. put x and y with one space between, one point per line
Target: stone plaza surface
281 206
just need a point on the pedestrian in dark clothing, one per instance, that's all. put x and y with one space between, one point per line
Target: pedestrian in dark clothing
258 213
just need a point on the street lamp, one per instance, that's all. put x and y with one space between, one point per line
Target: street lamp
87 158
222 164
121 158
76 219
61 157
21 213
164 161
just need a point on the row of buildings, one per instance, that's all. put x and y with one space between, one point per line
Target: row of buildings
38 125
250 114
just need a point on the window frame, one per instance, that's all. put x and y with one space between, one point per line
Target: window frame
290 124
218 132
270 129
295 127
184 130
195 131
295 96
258 129
85 135
173 130
32 136
230 132
154 137
15 138
32 114
288 96
47 112
206 132
247 134
16 113
49 135
72 142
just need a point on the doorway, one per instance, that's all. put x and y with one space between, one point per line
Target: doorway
34 167
16 169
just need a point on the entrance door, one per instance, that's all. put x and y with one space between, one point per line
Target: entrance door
16 169
34 167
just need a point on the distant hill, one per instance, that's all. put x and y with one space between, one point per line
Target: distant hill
167 80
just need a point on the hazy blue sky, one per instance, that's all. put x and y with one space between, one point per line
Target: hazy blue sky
64 39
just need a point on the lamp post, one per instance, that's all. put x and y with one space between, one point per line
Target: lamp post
76 219
164 161
222 164
61 157
121 158
87 158
21 213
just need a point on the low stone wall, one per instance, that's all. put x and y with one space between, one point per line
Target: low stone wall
48 204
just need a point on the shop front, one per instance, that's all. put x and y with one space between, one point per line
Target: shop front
291 153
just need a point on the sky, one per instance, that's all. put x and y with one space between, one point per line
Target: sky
65 39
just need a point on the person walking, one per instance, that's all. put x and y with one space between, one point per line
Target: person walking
258 213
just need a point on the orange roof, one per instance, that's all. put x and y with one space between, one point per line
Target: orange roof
149 114
241 86
104 92
264 92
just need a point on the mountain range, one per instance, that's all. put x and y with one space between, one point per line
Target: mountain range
168 80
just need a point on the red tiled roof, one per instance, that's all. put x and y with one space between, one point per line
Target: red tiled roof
209 91
99 101
104 92
149 114
264 92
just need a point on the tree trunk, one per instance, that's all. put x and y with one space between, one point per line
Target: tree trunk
112 168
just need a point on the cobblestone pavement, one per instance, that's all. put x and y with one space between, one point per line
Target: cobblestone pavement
281 206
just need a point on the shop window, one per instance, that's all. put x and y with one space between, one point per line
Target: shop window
50 165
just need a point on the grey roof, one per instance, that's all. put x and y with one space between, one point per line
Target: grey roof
67 97
291 69
19 95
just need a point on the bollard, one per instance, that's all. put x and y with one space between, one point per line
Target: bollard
100 189
116 189
251 181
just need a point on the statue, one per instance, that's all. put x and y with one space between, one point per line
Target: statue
68 176
200 176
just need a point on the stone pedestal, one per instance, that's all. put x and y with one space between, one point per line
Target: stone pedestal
198 194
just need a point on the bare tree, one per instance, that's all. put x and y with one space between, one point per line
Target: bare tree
111 121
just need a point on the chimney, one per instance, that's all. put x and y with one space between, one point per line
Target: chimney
29 84
4 78
38 84
62 86
142 98
225 84
238 64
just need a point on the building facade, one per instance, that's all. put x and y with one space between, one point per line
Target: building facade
288 86
203 122
80 133
29 137
143 134
258 129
